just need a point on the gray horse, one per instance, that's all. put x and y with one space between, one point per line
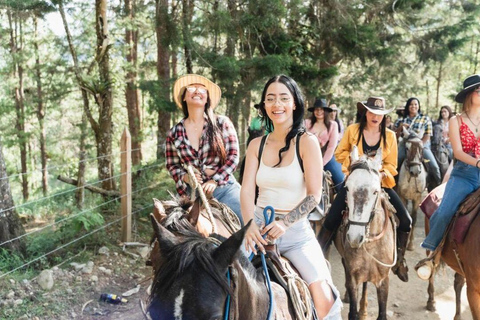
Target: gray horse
412 178
439 150
366 239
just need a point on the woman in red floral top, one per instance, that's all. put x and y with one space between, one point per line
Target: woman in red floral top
205 140
465 177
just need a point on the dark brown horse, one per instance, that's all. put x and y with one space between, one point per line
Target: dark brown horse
439 149
183 217
463 258
192 283
366 239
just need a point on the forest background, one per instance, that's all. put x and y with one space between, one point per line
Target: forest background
75 73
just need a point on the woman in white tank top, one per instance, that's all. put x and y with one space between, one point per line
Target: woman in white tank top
293 192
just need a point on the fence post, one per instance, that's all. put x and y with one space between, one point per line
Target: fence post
126 185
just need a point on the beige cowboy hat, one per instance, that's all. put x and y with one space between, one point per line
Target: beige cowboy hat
375 105
214 92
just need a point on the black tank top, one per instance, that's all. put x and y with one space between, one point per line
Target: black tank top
370 151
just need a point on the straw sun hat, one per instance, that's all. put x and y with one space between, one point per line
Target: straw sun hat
214 91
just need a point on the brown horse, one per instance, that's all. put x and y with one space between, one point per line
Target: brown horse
192 282
366 239
183 216
463 258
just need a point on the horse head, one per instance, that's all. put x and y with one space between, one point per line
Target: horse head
363 191
191 283
414 152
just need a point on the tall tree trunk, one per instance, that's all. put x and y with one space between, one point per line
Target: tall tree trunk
104 99
86 107
439 83
40 111
80 193
187 15
231 98
131 92
163 72
16 47
10 224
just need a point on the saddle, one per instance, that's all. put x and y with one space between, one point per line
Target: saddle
464 216
284 273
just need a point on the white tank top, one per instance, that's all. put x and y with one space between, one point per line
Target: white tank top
281 187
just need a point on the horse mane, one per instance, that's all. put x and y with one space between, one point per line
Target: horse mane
193 254
362 163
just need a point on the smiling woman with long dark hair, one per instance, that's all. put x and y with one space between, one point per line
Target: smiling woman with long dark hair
204 140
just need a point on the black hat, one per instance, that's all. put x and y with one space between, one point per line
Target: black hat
469 84
320 103
374 104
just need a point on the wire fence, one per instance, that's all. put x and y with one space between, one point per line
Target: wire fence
70 217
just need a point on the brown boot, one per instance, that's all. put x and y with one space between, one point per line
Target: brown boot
401 268
325 238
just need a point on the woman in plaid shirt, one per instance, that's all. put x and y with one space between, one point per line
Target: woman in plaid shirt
414 120
206 141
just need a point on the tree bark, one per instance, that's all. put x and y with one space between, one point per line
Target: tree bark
80 193
10 225
439 83
131 91
40 111
163 72
104 99
16 46
187 15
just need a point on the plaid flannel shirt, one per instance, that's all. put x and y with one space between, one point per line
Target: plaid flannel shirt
180 152
417 123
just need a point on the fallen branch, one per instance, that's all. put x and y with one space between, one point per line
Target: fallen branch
109 193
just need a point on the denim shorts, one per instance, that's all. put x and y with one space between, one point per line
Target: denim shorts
300 246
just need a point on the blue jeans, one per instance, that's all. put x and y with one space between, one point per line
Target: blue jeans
433 169
335 169
229 194
464 180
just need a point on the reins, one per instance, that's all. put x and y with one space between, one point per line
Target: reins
268 220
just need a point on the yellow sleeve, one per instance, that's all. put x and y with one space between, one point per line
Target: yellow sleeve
342 153
390 159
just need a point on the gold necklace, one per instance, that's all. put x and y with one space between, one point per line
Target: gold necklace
476 125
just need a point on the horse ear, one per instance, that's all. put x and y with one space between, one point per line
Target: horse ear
378 159
225 254
194 212
159 210
354 154
166 239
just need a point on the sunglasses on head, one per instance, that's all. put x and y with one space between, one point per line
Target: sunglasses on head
192 89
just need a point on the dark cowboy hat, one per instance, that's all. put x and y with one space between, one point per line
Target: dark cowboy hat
469 85
320 103
374 104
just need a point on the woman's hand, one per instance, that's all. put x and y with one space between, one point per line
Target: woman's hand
209 187
275 230
253 237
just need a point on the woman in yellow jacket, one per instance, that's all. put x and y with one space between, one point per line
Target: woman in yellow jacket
369 135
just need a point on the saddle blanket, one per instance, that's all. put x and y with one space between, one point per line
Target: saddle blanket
461 221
